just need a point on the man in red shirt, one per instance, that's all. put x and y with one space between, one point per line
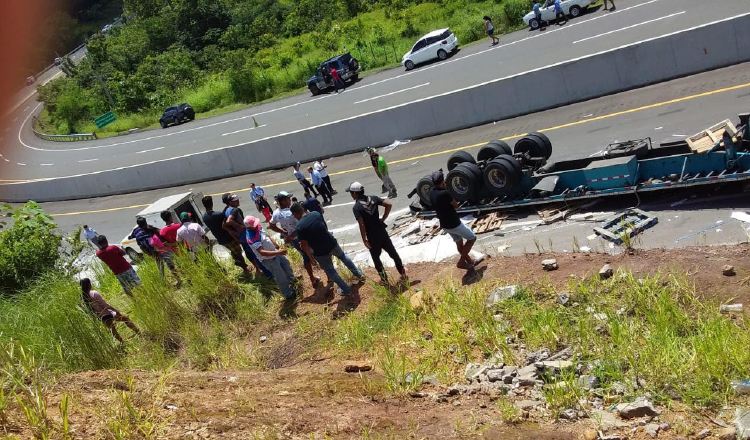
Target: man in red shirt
168 235
337 83
114 258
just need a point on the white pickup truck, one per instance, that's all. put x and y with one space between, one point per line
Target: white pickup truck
571 8
176 204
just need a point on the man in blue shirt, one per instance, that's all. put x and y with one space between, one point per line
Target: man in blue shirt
234 223
559 14
538 13
317 180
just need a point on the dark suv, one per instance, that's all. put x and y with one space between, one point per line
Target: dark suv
177 115
347 67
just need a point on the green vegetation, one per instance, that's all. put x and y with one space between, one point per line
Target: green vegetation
215 54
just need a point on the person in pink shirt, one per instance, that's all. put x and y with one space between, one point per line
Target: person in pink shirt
102 310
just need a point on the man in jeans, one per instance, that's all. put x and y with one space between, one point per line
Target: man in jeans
381 169
318 243
234 224
114 258
373 229
445 208
320 185
284 222
214 221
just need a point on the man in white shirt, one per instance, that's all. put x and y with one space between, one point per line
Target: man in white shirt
320 184
90 235
191 234
320 167
284 222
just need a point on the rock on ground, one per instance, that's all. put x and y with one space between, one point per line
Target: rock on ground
742 423
640 407
606 272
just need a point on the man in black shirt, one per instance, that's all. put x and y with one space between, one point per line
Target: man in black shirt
445 208
319 244
214 221
373 229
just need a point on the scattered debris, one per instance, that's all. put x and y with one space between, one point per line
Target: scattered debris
569 414
741 216
606 272
652 429
730 308
728 270
549 264
741 386
263 339
487 223
628 223
705 140
703 434
392 146
170 406
727 434
417 301
563 298
742 423
554 366
638 408
588 382
354 368
500 294
559 212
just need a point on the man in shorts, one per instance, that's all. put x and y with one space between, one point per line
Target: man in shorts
445 208
100 308
114 258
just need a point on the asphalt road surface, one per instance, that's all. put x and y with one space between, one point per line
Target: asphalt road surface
666 111
26 157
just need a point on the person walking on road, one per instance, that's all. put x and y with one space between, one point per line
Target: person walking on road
306 185
100 308
258 196
445 208
489 28
372 228
381 169
272 257
284 222
320 167
613 5
317 180
214 221
114 258
559 14
90 235
338 84
234 224
318 243
191 234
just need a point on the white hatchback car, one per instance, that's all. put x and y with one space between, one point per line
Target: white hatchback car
436 44
571 8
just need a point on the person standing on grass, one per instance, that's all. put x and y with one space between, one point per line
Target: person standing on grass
613 5
338 84
489 28
234 225
317 180
306 185
271 256
114 258
372 228
559 14
284 222
258 196
321 167
214 221
191 234
318 243
96 304
445 208
165 244
90 235
381 169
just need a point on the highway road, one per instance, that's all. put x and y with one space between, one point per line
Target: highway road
24 157
664 112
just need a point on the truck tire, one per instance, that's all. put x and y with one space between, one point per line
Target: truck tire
531 145
500 176
424 188
464 182
459 157
547 142
492 150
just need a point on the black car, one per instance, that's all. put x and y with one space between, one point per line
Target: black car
177 115
347 67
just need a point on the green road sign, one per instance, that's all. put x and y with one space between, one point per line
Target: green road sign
105 119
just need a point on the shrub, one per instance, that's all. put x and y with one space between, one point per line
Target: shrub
248 84
515 10
215 92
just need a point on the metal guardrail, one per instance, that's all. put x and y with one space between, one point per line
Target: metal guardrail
75 137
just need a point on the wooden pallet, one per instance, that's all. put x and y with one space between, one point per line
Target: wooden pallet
488 223
706 139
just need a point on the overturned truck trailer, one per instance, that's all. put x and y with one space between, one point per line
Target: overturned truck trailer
500 178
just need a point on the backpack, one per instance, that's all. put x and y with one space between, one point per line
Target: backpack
143 239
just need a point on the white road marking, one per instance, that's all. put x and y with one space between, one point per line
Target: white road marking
87 160
392 93
21 163
658 128
680 135
6 160
146 151
292 105
46 164
427 98
243 130
629 27
588 115
339 205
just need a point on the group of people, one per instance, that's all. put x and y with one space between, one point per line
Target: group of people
321 182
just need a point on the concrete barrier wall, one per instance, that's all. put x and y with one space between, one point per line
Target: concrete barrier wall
683 53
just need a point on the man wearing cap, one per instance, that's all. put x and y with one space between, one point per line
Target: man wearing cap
445 208
284 222
234 224
381 169
317 242
191 234
306 185
271 256
215 221
372 228
258 196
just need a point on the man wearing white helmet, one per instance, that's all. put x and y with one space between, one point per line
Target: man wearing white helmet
372 227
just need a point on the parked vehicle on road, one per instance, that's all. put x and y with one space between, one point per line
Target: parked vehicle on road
176 204
177 115
346 65
571 8
437 44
